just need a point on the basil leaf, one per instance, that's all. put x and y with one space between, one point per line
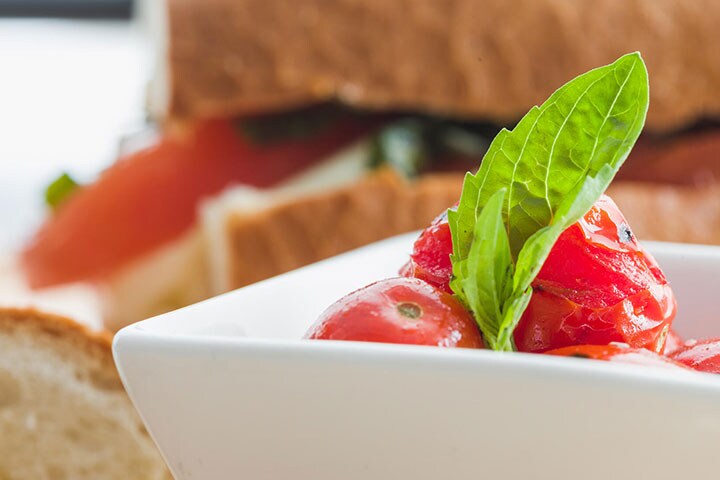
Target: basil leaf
538 246
589 122
512 312
59 190
554 164
485 276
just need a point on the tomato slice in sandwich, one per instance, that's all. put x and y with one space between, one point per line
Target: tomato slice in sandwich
151 197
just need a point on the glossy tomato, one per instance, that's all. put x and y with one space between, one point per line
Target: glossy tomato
150 197
619 353
399 310
703 355
598 286
430 258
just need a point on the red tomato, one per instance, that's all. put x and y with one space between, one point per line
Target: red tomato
597 286
703 355
151 197
618 353
673 342
430 258
399 310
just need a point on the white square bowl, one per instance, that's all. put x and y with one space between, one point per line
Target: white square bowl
228 390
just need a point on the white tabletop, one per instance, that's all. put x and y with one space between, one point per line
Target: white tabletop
68 90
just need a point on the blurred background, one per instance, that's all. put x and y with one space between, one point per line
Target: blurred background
74 74
74 77
248 101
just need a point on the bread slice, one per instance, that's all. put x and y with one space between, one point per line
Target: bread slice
63 411
261 243
170 277
485 59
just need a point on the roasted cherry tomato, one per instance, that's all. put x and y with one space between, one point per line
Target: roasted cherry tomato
430 258
673 342
618 353
598 286
151 197
399 310
703 355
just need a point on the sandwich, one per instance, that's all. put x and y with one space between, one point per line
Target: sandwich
288 132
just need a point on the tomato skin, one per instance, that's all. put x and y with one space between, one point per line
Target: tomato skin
594 288
552 321
618 353
430 259
375 314
597 286
151 197
703 355
673 342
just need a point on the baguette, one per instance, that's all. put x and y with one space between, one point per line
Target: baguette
63 411
235 57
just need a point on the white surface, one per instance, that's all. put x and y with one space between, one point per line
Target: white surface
79 302
228 390
68 91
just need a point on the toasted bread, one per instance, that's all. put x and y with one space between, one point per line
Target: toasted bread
483 59
262 243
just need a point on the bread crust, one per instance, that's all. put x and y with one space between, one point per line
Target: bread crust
90 352
281 238
482 59
96 344
298 232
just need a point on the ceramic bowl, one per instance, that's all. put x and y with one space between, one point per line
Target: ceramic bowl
228 389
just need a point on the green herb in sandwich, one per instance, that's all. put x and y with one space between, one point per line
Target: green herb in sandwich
415 144
60 190
534 182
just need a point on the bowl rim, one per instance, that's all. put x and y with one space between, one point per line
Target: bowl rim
581 372
151 335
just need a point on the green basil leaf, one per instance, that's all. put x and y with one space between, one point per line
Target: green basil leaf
512 312
538 246
554 164
485 277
